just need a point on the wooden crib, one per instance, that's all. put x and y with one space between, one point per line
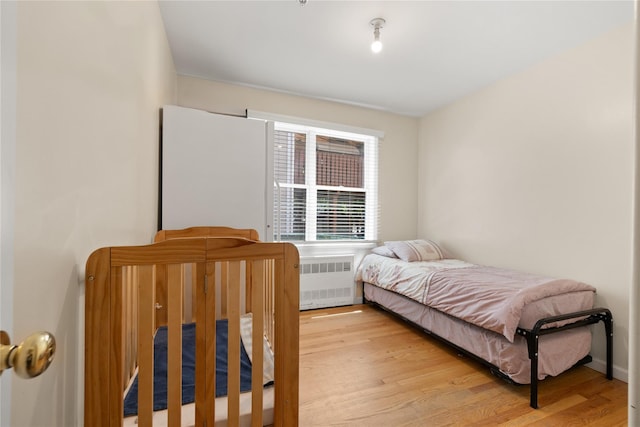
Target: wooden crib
184 279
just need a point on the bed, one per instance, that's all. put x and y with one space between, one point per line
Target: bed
165 323
524 327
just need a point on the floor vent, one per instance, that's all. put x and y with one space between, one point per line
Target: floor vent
326 281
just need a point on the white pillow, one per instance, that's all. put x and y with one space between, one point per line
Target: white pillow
416 250
384 251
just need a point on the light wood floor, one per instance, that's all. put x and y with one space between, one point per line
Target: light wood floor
359 366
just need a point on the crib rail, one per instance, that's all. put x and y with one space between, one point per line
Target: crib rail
196 232
201 280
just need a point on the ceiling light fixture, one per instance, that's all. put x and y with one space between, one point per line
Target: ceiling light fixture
376 23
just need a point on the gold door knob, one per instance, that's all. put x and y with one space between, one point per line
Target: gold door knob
29 359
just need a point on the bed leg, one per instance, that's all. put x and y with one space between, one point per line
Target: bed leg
534 375
533 355
608 327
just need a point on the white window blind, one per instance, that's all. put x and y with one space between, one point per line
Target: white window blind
326 184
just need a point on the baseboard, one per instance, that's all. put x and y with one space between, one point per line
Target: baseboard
618 372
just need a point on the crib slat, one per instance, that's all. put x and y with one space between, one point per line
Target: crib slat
257 305
194 293
248 300
131 326
161 295
269 293
233 358
129 292
175 292
223 267
116 404
146 329
205 344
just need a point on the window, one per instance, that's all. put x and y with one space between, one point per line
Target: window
325 184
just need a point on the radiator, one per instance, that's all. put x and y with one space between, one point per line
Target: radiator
326 281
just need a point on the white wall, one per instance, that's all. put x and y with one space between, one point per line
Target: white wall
91 79
398 150
535 173
634 297
7 171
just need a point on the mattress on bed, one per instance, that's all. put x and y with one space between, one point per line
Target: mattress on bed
557 352
496 299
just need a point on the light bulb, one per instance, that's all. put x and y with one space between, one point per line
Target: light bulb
376 23
376 46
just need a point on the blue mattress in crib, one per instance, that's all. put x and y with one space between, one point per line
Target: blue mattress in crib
188 368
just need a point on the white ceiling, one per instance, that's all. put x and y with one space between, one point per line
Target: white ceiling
434 51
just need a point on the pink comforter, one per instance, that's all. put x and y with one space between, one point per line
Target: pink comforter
489 297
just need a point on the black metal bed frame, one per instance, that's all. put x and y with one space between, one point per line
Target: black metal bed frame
586 317
532 336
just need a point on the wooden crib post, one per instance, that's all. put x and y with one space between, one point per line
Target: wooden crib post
97 331
287 302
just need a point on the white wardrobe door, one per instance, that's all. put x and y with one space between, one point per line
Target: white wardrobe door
214 171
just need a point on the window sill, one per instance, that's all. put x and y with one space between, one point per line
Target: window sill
332 248
336 244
